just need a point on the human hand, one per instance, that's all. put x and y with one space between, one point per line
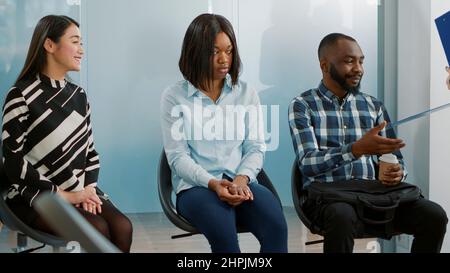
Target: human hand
392 176
242 188
89 206
88 195
374 144
91 196
447 81
226 191
94 209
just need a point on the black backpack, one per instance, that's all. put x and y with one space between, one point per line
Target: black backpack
369 197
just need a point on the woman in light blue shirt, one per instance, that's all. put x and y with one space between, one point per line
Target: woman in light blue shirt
213 138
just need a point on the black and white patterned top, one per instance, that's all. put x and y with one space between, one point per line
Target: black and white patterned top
47 138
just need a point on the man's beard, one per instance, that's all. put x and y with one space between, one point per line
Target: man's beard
342 81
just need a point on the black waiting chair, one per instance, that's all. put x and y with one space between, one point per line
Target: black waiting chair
24 231
299 198
165 190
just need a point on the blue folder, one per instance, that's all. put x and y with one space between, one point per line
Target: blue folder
443 26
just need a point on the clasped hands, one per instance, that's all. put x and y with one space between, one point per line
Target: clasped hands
87 199
233 193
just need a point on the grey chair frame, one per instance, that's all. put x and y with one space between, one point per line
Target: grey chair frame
72 226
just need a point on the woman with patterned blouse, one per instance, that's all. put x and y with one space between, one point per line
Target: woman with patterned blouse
47 138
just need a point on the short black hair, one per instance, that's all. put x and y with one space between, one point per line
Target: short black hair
331 40
198 48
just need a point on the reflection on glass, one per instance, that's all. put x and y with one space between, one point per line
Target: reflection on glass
17 21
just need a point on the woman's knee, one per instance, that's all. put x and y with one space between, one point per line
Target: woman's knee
264 215
100 225
276 225
122 225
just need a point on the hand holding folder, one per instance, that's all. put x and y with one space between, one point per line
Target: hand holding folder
448 78
443 27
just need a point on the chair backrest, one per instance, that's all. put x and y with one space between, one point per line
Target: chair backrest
15 223
299 197
165 190
67 222
263 179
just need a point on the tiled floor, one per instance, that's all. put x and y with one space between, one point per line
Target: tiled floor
152 233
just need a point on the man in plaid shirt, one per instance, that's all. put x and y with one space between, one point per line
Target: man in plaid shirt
336 131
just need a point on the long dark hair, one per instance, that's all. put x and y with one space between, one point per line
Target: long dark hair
52 27
198 48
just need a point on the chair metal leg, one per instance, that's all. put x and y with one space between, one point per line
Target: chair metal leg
314 242
183 235
33 249
22 242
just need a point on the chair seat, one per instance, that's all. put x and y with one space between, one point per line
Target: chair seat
16 224
165 192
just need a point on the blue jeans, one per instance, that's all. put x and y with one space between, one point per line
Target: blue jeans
217 220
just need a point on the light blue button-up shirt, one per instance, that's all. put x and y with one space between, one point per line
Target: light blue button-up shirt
204 139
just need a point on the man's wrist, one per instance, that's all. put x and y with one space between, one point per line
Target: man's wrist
356 151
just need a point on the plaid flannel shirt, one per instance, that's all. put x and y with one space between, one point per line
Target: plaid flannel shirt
323 130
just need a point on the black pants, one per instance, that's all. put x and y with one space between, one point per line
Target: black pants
424 219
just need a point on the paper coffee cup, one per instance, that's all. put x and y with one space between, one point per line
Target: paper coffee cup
386 161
